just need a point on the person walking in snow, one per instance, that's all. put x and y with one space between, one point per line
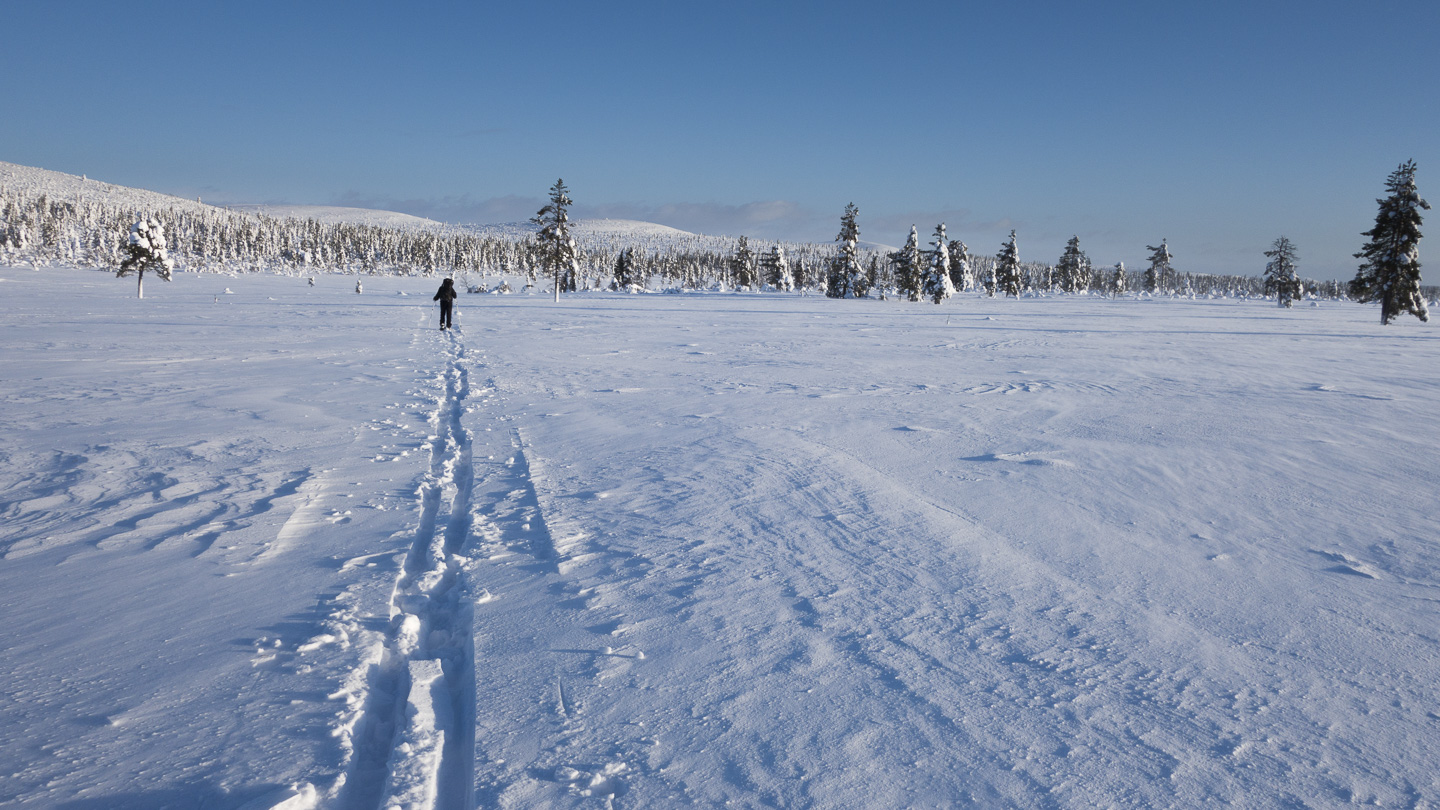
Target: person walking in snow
446 296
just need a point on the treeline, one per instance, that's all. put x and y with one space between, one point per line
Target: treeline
92 233
40 229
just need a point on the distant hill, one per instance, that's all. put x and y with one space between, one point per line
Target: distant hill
335 215
74 188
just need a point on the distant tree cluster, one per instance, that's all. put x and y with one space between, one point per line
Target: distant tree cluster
95 233
914 273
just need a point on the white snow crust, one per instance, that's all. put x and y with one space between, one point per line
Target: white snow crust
294 547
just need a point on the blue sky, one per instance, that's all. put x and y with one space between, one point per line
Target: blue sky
1216 125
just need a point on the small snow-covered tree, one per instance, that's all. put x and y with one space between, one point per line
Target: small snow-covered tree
873 279
742 264
628 275
1157 276
962 271
1117 280
1084 273
776 268
1007 268
908 267
1074 268
1280 275
800 273
145 250
845 270
938 286
1390 273
554 244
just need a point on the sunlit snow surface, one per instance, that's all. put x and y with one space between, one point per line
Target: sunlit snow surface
290 546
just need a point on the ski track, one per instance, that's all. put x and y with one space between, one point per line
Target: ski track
415 733
549 648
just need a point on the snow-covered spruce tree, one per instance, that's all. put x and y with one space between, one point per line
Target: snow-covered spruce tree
1390 272
1074 268
938 286
874 280
1157 276
845 269
776 268
1084 273
870 280
1007 268
1280 275
988 279
554 244
908 267
627 274
862 283
145 250
742 265
962 271
1117 280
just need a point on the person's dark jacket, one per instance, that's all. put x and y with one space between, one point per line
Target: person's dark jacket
447 292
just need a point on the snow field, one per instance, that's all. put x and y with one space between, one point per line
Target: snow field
1036 553
293 547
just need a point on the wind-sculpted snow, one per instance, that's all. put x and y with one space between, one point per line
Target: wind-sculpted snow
294 547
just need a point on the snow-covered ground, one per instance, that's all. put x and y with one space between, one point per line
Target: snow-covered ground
273 545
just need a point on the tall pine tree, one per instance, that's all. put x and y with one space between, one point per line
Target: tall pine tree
1157 276
1280 275
845 270
554 243
1390 272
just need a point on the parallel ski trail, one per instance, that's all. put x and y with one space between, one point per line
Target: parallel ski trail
549 651
416 735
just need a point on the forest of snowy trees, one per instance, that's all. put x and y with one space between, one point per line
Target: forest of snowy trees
40 227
